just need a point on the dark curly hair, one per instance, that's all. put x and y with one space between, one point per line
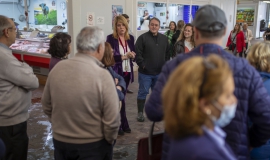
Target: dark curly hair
59 45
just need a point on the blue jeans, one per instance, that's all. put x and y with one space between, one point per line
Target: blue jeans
145 82
261 153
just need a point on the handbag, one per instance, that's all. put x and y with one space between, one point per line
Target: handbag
177 47
150 148
232 45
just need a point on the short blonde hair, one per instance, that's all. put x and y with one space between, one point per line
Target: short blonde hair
259 56
120 19
185 87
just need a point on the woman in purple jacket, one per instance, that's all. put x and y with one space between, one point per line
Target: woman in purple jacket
123 46
203 101
60 46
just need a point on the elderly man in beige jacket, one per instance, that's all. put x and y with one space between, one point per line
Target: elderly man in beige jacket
248 37
17 80
81 102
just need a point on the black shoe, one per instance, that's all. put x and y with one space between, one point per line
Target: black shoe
128 130
121 132
129 91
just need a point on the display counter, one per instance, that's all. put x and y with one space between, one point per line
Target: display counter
33 51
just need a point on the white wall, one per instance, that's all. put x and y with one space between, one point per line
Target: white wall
229 7
13 10
100 8
261 14
78 13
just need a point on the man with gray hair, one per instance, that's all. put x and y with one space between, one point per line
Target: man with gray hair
248 37
81 102
17 80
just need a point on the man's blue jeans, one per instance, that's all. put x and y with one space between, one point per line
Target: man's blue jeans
145 82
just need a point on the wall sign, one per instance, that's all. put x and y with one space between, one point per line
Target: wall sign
90 19
100 20
142 4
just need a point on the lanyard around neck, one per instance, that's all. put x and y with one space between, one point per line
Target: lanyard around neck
124 48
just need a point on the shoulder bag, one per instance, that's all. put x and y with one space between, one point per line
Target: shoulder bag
232 45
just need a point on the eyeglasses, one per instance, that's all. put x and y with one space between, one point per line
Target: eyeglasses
13 28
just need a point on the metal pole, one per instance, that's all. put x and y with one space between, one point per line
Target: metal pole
26 11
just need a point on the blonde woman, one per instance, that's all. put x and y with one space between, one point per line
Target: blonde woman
259 57
206 103
123 52
185 41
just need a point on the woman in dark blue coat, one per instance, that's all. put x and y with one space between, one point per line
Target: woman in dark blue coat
259 57
198 99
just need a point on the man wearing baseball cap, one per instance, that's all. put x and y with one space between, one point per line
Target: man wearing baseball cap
253 101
